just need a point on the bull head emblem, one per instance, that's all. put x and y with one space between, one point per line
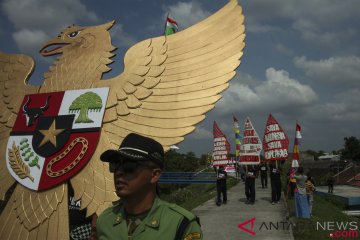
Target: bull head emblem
31 114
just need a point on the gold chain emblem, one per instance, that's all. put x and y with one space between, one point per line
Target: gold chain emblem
85 146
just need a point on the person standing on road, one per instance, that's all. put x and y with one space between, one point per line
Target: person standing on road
263 174
330 183
275 178
250 176
221 186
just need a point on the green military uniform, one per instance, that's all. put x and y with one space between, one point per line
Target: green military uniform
161 223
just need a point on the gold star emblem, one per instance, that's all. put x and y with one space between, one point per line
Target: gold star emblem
50 134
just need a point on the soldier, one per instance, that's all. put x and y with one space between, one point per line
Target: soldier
275 177
221 186
263 174
250 185
140 214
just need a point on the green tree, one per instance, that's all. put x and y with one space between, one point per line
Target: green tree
176 162
315 154
351 149
86 102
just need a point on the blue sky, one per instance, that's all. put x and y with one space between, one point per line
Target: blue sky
301 61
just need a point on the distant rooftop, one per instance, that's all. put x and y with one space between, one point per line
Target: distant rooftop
328 156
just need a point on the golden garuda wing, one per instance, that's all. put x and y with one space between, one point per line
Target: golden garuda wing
27 214
26 209
15 70
170 82
168 85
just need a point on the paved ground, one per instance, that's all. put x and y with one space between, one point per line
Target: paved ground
221 223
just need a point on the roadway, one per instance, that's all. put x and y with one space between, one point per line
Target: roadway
222 223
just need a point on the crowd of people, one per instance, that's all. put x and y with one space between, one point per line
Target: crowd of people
300 187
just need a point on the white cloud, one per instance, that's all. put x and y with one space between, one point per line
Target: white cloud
321 22
186 13
284 50
335 70
201 133
39 18
278 91
120 38
257 27
28 40
343 108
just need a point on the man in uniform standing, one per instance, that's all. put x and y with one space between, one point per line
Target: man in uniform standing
140 214
250 185
275 177
263 174
221 186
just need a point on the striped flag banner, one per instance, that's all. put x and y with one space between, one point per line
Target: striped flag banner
237 139
296 152
171 26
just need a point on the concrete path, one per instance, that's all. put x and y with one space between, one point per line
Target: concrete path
222 223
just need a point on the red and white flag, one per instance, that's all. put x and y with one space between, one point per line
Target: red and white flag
221 147
275 142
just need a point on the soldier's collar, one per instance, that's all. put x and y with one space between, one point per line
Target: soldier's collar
118 210
153 218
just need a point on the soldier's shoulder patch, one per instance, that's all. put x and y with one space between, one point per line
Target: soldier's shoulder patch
193 235
189 215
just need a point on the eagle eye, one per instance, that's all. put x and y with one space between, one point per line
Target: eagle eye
73 34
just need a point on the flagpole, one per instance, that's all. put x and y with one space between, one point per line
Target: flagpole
166 23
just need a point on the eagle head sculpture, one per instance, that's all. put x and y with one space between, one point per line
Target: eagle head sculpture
76 39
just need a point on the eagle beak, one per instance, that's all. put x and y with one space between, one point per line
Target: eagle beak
52 47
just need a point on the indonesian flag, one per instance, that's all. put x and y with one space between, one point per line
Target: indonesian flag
296 152
298 134
171 26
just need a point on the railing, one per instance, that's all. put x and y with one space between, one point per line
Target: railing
188 178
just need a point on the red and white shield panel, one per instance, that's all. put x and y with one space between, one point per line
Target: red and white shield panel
54 136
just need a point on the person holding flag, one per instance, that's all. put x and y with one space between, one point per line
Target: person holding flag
295 161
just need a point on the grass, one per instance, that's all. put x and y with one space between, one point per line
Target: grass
324 210
191 196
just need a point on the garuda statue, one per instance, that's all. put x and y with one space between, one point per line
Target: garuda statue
54 133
